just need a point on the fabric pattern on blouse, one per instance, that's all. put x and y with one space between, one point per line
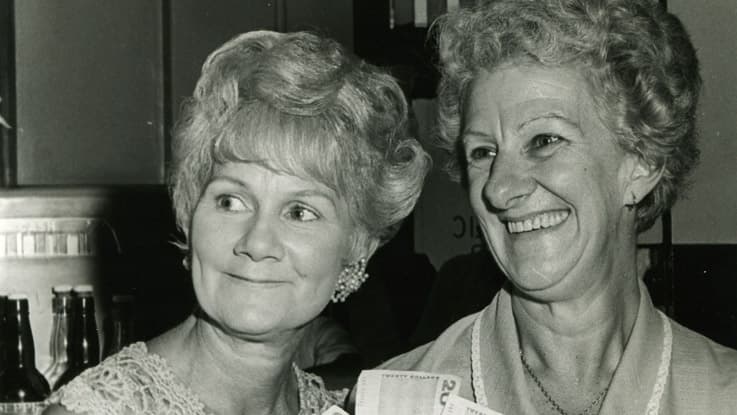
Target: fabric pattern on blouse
135 381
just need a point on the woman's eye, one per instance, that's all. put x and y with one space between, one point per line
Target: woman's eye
302 214
543 140
230 203
482 153
480 156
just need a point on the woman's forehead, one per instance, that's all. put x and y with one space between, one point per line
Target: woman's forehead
285 166
519 94
242 173
294 146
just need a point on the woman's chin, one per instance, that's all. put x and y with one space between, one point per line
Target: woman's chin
541 266
242 322
252 329
538 277
534 282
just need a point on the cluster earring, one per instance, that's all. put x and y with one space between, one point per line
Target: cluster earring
349 280
185 262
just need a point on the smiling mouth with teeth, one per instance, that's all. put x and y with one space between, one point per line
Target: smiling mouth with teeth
541 221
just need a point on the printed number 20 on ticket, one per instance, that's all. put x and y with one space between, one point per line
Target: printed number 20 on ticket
385 392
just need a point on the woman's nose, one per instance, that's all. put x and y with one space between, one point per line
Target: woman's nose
260 239
508 184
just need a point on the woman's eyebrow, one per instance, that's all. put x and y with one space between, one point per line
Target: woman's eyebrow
470 133
547 116
230 179
330 197
316 193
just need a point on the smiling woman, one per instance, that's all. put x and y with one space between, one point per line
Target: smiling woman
291 166
574 126
548 198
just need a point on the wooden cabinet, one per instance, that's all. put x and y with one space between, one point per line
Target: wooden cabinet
88 102
92 87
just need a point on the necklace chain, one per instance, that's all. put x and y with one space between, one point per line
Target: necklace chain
653 405
595 403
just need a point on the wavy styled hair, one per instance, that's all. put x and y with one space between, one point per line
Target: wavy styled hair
299 103
636 57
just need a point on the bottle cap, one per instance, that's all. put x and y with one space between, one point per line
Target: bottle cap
18 303
83 289
61 289
61 303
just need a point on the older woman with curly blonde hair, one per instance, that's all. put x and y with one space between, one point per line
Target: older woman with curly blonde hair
574 126
291 166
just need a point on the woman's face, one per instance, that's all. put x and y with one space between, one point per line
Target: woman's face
546 178
266 248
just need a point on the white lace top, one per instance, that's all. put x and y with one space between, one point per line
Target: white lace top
135 381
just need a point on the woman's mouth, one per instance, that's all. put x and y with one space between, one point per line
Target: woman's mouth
256 281
539 221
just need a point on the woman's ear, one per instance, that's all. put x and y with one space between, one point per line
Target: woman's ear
641 179
364 246
371 244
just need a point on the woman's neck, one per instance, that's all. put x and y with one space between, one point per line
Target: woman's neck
233 376
579 341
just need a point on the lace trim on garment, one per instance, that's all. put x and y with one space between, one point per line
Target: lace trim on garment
314 398
137 382
130 382
477 379
653 406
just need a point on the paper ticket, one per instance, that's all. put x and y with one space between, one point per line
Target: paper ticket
393 392
335 410
459 406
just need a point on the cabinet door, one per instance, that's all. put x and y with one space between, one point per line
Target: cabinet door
89 105
99 82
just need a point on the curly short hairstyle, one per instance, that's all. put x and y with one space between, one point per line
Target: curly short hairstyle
300 104
636 57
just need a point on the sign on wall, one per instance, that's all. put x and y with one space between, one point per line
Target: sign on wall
445 226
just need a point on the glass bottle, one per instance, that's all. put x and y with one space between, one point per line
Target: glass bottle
61 305
24 387
84 341
122 327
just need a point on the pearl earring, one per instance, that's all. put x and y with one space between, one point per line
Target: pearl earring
349 280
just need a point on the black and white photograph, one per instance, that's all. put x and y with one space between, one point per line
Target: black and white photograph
368 207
